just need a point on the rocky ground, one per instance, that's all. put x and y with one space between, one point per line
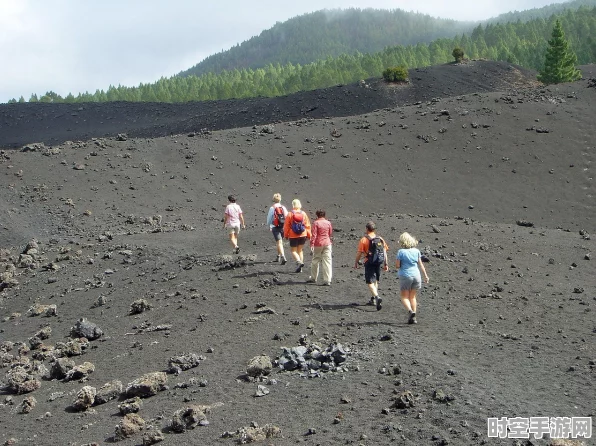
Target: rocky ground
184 342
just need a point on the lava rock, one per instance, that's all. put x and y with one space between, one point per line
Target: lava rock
130 425
85 398
147 385
108 392
259 366
85 329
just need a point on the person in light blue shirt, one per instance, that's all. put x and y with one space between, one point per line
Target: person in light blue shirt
409 264
275 220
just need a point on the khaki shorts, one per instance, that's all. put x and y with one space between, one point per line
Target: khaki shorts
234 229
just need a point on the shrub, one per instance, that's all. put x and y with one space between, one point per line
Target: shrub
458 54
396 74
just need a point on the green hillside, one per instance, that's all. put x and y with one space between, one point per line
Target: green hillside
330 33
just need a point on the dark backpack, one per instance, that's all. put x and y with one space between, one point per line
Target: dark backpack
376 251
298 222
278 217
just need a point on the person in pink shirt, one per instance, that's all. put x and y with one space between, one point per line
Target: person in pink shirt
320 247
233 220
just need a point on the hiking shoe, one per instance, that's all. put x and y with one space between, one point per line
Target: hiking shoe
283 261
310 279
379 302
371 302
237 249
327 284
278 258
300 266
412 319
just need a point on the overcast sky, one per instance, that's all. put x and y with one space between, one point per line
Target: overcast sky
83 45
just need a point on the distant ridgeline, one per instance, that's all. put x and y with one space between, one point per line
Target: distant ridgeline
344 57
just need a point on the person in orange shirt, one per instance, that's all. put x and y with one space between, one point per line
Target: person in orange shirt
374 249
297 230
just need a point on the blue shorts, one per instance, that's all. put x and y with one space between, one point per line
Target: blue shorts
408 283
278 233
372 273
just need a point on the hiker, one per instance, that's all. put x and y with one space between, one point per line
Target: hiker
374 249
320 247
233 220
276 218
297 230
409 263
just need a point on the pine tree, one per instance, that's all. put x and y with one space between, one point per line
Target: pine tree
560 60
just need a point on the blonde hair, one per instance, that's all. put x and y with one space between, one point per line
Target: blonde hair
407 241
276 198
296 204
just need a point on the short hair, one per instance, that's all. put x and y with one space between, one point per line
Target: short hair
407 241
231 199
296 204
370 226
320 213
276 198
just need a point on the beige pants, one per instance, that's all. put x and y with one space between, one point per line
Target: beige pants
322 257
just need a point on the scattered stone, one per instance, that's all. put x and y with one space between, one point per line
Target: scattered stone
261 391
85 398
130 425
254 433
121 137
189 418
312 358
81 371
44 333
259 366
108 392
139 306
439 395
72 348
85 329
131 405
61 367
152 437
404 401
147 385
21 381
177 364
42 310
27 405
527 224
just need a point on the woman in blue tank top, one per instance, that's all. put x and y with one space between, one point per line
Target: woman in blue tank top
409 264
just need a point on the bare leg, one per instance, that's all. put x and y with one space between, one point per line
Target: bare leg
405 299
295 254
280 247
412 300
374 288
300 253
234 239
